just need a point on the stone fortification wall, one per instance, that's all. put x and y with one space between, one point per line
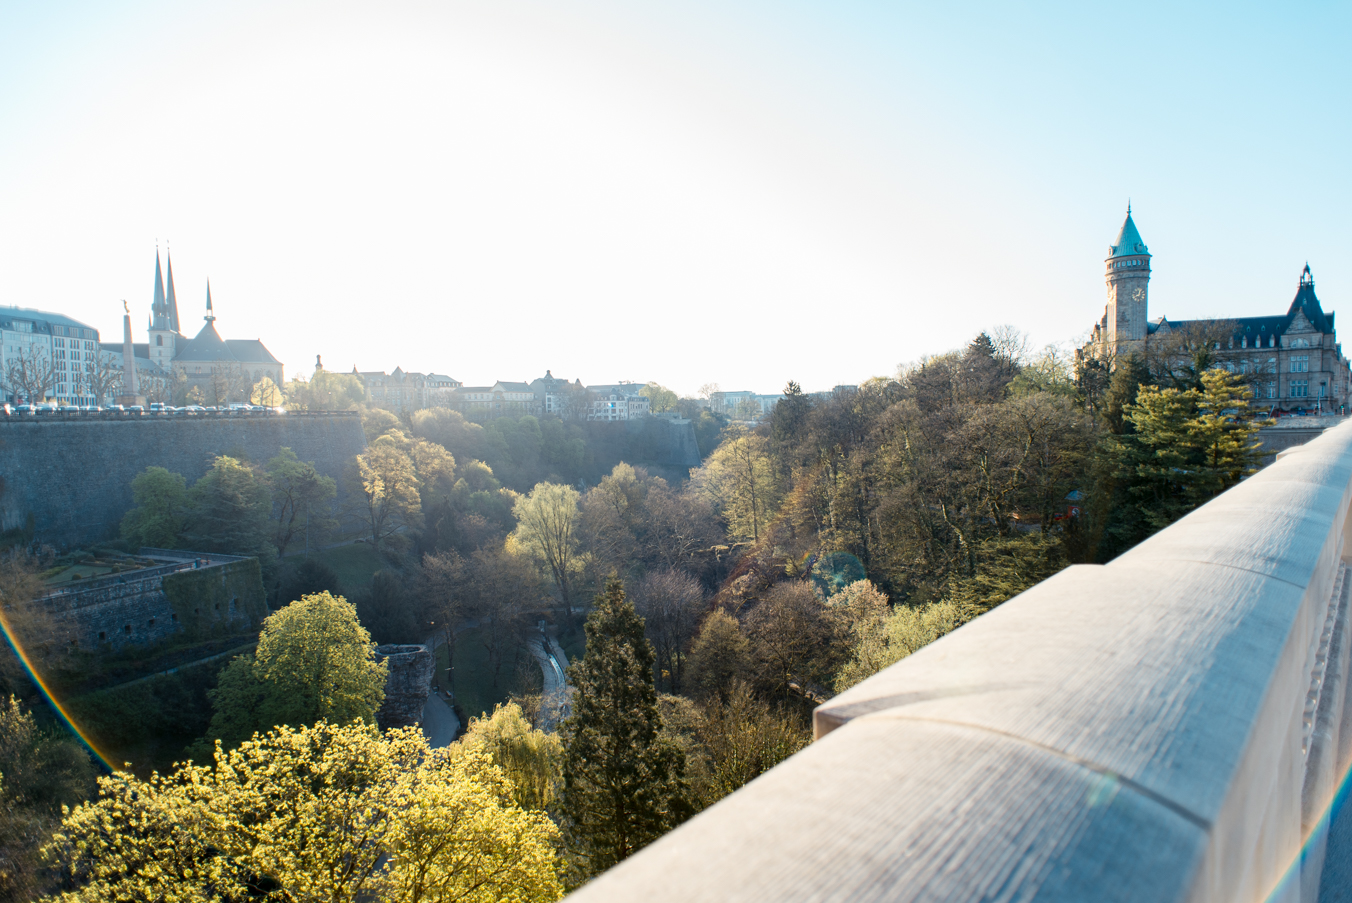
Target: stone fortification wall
670 443
407 686
71 476
150 605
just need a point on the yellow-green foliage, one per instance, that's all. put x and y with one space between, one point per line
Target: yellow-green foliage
531 759
323 813
892 638
314 662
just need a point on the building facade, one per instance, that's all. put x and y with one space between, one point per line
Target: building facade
403 391
620 401
1292 361
45 357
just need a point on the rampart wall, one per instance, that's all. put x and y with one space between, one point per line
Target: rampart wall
140 607
72 475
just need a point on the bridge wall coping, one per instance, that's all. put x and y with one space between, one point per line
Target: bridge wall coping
1132 731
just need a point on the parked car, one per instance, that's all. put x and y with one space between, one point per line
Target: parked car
26 409
115 408
46 408
193 409
159 407
136 409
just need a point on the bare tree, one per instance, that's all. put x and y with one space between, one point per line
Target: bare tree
225 383
672 605
1179 355
157 387
1010 345
101 377
576 403
30 373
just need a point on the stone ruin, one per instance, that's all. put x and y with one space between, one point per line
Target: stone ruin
407 686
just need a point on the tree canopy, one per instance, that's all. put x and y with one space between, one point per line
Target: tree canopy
336 813
314 661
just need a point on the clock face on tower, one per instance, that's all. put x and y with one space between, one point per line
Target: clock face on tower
1138 295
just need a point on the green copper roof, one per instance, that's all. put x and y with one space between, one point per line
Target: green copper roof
1128 241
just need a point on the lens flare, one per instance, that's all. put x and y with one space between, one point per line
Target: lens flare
12 637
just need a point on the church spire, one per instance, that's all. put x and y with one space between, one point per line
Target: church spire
211 314
171 303
157 308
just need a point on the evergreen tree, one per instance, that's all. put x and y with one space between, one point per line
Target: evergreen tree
1186 446
623 785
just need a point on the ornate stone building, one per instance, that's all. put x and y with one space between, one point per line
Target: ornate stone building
1293 361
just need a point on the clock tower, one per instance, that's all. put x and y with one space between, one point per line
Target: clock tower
1128 279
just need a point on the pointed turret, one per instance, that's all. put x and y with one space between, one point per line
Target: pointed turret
211 314
1307 303
157 307
1128 242
171 303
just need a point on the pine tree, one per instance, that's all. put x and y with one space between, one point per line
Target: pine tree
1186 446
623 786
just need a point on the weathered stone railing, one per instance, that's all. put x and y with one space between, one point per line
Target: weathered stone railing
1165 727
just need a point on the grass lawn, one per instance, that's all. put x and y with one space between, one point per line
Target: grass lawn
474 690
354 564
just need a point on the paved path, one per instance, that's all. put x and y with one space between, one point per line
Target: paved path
439 722
557 694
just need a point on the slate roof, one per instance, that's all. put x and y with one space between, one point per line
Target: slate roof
250 351
1128 243
1261 327
138 349
41 318
206 347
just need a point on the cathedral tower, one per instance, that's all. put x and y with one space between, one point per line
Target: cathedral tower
164 334
1128 279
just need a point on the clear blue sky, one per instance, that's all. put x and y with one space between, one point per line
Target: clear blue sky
689 192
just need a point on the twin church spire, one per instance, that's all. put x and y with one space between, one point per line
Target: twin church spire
164 310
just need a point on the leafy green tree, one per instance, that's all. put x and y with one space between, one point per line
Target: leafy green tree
376 422
335 813
326 391
742 737
531 759
314 662
309 577
660 398
623 784
301 500
739 478
384 494
228 512
547 522
389 611
265 392
904 631
720 655
161 509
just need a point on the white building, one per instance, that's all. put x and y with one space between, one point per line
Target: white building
48 352
618 402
